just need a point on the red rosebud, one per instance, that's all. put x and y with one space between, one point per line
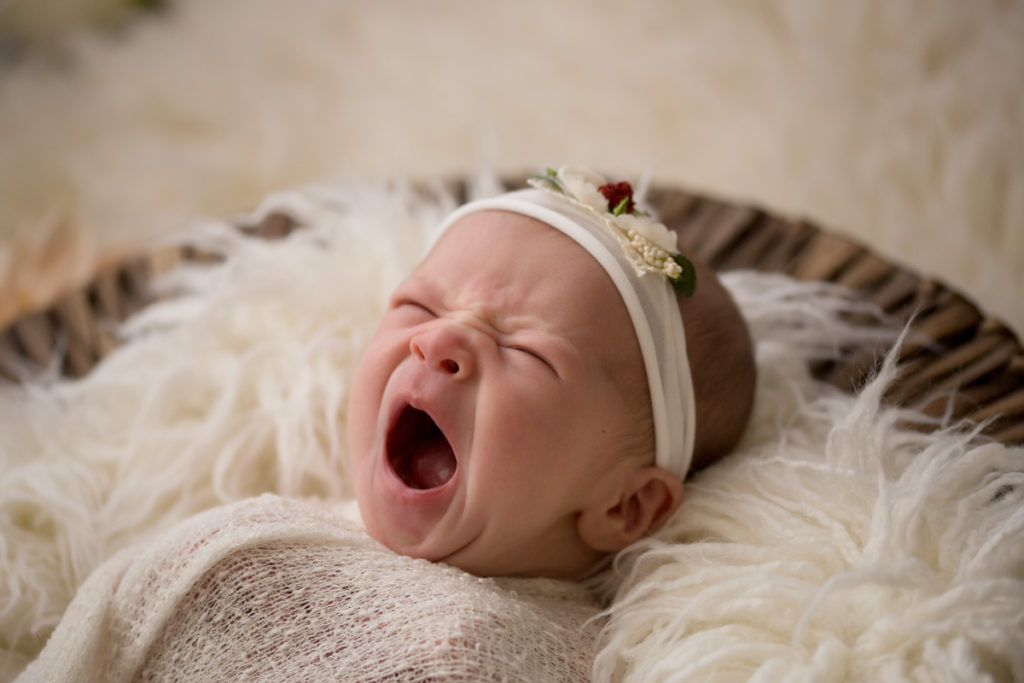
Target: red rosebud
615 193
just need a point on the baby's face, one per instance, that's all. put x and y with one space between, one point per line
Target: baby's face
488 410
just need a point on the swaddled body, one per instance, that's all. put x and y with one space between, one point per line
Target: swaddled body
270 589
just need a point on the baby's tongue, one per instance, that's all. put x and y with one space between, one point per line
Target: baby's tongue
433 463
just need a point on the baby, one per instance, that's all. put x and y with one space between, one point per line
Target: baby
531 402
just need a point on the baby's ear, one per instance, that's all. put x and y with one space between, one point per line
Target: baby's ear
647 498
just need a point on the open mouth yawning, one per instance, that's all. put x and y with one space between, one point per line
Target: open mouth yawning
418 451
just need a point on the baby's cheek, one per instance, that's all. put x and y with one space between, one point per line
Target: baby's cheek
385 353
361 417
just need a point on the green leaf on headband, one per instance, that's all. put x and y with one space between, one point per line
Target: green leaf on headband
551 178
686 283
621 207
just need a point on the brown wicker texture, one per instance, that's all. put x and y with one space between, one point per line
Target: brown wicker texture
956 360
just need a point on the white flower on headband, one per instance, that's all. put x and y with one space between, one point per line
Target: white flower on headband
649 245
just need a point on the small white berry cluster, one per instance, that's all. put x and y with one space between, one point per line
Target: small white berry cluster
654 257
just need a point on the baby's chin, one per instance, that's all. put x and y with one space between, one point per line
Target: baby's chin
485 560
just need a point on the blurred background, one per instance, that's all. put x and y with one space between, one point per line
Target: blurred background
899 123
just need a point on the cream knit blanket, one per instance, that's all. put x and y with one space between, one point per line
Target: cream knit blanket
279 590
833 545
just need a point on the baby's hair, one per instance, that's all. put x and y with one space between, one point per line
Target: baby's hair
723 370
638 441
722 365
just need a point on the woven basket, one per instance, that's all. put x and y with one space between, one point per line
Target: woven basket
957 360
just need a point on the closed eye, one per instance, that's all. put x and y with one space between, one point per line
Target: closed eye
417 304
411 312
537 356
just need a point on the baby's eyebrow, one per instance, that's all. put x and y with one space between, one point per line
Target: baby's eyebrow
416 285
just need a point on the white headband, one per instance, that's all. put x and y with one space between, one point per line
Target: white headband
632 248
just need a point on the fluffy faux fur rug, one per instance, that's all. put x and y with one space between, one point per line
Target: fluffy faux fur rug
833 545
900 122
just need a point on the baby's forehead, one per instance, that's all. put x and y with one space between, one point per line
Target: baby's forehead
497 241
489 225
518 262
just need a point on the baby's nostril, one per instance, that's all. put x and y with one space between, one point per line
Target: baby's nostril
450 366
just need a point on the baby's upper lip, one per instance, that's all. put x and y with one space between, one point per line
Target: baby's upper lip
403 401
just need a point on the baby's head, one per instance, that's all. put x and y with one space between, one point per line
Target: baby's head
503 418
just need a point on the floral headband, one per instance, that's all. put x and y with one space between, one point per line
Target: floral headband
640 256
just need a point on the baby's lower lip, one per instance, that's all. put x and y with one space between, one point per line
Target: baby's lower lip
411 514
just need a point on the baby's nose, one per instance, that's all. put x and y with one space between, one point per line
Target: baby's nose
444 347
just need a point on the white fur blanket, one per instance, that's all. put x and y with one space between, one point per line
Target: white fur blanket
833 545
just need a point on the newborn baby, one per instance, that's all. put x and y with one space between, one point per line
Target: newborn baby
532 401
